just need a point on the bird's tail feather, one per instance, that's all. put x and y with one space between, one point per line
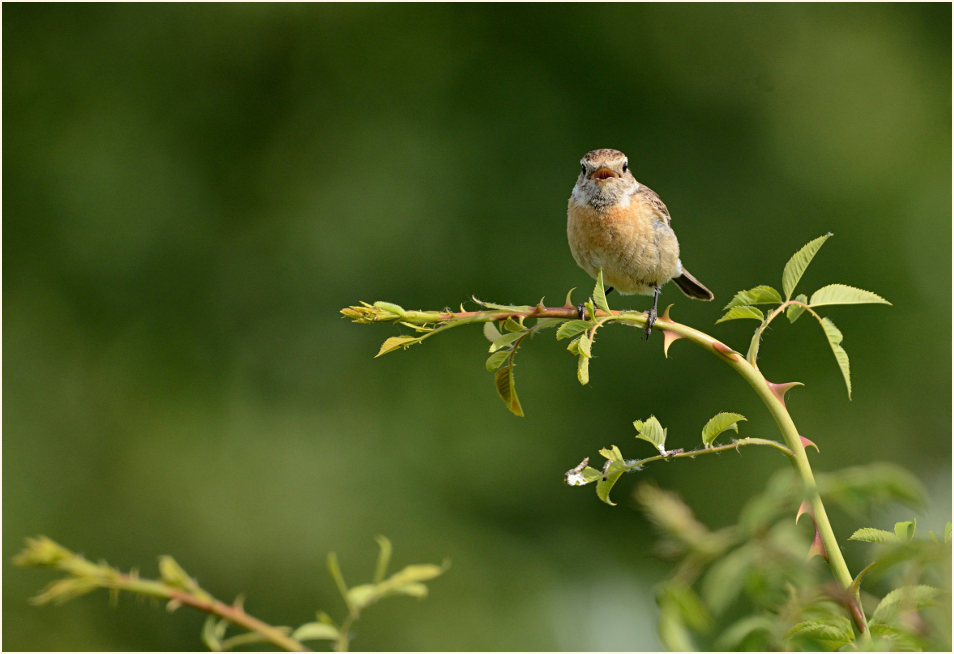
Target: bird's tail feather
692 286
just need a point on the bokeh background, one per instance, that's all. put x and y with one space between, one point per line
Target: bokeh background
192 192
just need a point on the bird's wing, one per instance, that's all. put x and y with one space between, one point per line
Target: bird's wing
650 197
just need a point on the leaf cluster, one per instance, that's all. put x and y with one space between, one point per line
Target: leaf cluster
745 305
747 587
503 346
409 581
179 589
652 432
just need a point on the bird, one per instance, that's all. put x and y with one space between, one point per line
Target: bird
622 227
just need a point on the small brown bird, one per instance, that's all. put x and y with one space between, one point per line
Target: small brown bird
616 224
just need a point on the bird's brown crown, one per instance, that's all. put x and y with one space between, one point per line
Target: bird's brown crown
603 156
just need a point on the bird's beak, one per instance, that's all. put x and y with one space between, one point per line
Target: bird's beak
603 173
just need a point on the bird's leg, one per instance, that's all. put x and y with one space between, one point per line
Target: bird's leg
651 315
581 308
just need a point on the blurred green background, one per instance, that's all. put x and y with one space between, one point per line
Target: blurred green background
192 192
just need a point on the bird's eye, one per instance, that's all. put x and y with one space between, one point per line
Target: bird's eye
625 166
583 168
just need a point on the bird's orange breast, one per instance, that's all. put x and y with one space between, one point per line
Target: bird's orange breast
633 244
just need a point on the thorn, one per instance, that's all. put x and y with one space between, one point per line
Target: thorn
569 303
817 547
804 508
806 443
779 390
724 350
669 337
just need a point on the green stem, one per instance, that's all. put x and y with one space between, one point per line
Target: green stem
774 402
341 644
84 576
204 602
237 616
691 454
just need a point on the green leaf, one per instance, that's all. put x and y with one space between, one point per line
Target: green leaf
335 571
490 332
739 636
741 312
905 530
834 340
843 294
581 346
512 325
404 582
589 309
725 580
796 266
872 535
794 311
947 533
363 595
582 475
833 629
495 360
505 340
572 328
315 631
583 369
513 308
390 307
890 638
599 295
412 590
673 632
858 489
905 598
604 486
384 558
573 347
213 631
503 379
395 342
174 575
585 345
652 432
719 423
759 295
415 574
682 599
